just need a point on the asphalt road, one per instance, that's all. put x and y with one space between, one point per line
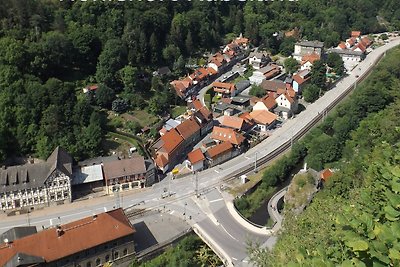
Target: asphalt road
227 232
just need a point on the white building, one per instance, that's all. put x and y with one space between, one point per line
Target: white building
259 59
307 47
195 161
37 185
351 58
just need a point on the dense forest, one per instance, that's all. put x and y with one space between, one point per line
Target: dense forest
355 219
49 50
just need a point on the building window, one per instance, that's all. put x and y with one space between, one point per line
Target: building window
116 255
125 252
107 258
98 262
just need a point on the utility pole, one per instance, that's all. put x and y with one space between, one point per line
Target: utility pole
117 200
197 185
29 219
255 161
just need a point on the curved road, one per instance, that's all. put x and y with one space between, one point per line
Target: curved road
210 212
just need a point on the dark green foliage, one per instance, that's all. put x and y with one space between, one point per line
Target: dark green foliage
318 74
336 63
257 91
104 96
119 105
291 65
311 93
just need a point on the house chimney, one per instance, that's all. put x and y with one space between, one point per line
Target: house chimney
60 231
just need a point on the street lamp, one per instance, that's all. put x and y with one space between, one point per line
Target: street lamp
255 161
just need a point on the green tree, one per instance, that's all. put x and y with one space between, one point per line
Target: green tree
291 65
318 74
257 91
311 93
104 96
189 43
336 63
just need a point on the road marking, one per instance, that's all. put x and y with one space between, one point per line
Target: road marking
229 233
216 171
172 212
233 258
247 157
215 200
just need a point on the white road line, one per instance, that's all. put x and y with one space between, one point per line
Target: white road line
172 212
233 258
216 171
215 200
247 157
229 233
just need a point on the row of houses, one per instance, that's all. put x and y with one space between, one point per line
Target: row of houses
177 138
217 63
101 239
55 180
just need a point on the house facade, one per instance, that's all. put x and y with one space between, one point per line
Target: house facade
306 48
219 153
105 238
195 161
37 185
126 174
259 59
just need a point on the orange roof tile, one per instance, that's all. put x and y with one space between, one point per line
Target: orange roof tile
161 161
227 134
246 116
211 71
233 122
310 58
75 237
223 87
188 128
325 174
342 45
197 104
171 140
355 34
269 102
219 149
299 79
263 116
366 41
195 156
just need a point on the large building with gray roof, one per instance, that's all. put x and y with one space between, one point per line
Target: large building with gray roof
34 185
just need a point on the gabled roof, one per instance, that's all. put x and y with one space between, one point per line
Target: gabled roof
171 140
161 161
222 87
310 58
227 134
273 85
366 41
355 34
325 174
52 244
351 41
301 77
219 149
285 93
263 117
247 118
196 156
289 89
211 71
342 45
269 101
315 44
361 47
197 104
124 167
233 122
188 128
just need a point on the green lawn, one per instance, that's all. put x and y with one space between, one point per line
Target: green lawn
141 116
178 110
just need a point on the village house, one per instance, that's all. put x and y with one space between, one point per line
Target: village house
267 103
235 123
264 119
224 89
195 161
241 86
90 88
104 238
127 174
168 150
325 174
240 101
287 103
272 85
307 61
205 119
219 153
190 132
259 59
301 79
168 125
350 58
37 185
221 134
218 62
265 73
306 48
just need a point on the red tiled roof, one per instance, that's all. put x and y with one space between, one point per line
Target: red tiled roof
93 87
325 174
196 156
361 47
300 80
227 134
272 85
269 102
355 34
342 45
263 116
75 237
289 89
310 58
219 149
171 140
197 104
161 161
233 122
366 41
211 71
223 87
286 94
246 116
351 41
188 128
